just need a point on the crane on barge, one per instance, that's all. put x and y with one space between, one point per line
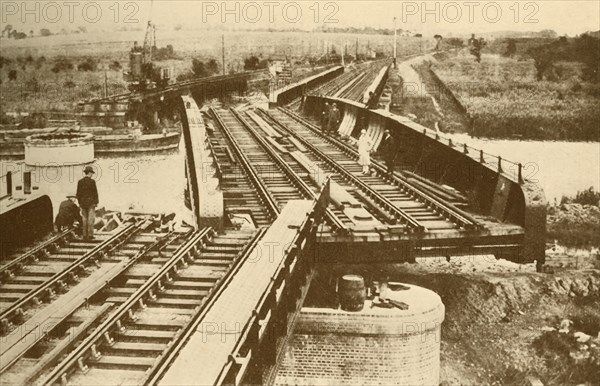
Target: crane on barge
143 74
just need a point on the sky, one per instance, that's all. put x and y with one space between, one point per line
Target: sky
427 17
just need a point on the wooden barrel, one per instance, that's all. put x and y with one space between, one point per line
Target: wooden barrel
352 293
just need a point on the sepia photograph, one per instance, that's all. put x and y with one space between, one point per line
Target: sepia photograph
331 193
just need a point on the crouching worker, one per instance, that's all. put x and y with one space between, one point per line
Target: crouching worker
68 214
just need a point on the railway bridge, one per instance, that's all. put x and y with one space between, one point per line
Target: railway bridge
274 200
447 200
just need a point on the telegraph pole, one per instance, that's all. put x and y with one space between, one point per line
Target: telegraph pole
223 51
395 38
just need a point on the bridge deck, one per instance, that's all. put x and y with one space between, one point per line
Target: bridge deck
207 352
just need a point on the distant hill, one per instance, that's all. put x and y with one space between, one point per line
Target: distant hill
513 34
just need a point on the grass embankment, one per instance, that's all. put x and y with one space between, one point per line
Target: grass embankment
35 87
504 99
575 222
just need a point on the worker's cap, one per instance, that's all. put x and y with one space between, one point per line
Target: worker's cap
88 169
71 196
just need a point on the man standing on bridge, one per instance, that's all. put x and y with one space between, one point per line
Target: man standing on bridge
325 117
334 119
389 151
87 195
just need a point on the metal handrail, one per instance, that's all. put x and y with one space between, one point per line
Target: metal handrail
480 155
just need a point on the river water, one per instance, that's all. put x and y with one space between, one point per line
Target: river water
142 184
561 168
155 183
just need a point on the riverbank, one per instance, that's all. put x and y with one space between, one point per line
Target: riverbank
575 222
501 98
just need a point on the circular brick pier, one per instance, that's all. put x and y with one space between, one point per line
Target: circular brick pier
374 346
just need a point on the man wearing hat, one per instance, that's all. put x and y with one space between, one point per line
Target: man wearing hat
68 213
87 195
334 119
388 150
325 117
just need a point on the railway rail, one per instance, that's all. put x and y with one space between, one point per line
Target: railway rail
16 263
357 89
145 311
66 310
447 210
28 282
353 84
412 208
282 181
243 193
379 205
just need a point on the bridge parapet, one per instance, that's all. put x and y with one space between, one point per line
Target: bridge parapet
378 83
203 174
494 186
243 331
296 90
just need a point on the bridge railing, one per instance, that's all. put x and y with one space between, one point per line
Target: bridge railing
494 186
270 319
494 162
298 89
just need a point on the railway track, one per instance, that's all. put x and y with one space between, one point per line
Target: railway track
35 279
143 314
352 85
379 206
284 181
357 89
241 194
31 336
403 202
15 263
